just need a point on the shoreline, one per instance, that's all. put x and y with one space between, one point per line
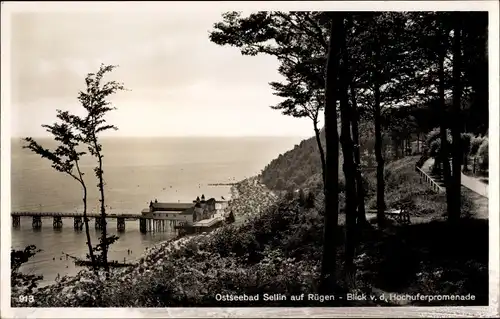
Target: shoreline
50 279
243 196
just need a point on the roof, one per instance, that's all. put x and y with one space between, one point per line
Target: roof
184 212
171 206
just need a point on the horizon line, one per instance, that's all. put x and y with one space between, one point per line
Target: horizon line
178 136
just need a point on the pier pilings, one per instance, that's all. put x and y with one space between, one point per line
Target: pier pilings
120 224
147 225
16 221
77 223
142 225
57 222
37 222
98 223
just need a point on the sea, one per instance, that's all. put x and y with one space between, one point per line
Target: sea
136 171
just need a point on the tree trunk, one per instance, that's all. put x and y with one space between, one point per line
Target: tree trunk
360 191
85 218
418 143
328 282
104 236
349 168
378 140
394 147
445 162
87 229
321 152
457 140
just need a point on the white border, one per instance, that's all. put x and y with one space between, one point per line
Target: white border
11 7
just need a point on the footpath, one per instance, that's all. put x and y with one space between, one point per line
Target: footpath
477 190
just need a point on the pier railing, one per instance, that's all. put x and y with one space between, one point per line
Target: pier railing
68 214
77 219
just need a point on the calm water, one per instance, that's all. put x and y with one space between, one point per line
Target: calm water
136 171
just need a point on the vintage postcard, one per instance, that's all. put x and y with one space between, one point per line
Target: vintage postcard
249 159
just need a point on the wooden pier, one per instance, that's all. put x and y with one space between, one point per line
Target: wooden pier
57 221
160 217
146 224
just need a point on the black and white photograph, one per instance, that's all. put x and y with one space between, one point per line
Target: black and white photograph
198 155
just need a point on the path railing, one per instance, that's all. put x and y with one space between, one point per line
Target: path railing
424 177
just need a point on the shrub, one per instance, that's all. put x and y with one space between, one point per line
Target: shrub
278 251
435 148
475 143
482 153
466 142
22 284
433 141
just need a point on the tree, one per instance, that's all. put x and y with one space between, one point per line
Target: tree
328 282
297 40
446 63
349 167
65 159
475 70
457 151
94 100
300 101
441 51
377 82
360 192
378 68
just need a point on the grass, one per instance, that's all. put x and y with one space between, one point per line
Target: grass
428 256
403 187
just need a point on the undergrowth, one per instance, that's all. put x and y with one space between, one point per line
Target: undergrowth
278 251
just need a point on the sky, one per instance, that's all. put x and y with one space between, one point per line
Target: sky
180 83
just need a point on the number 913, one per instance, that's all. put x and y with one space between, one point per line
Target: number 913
28 298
